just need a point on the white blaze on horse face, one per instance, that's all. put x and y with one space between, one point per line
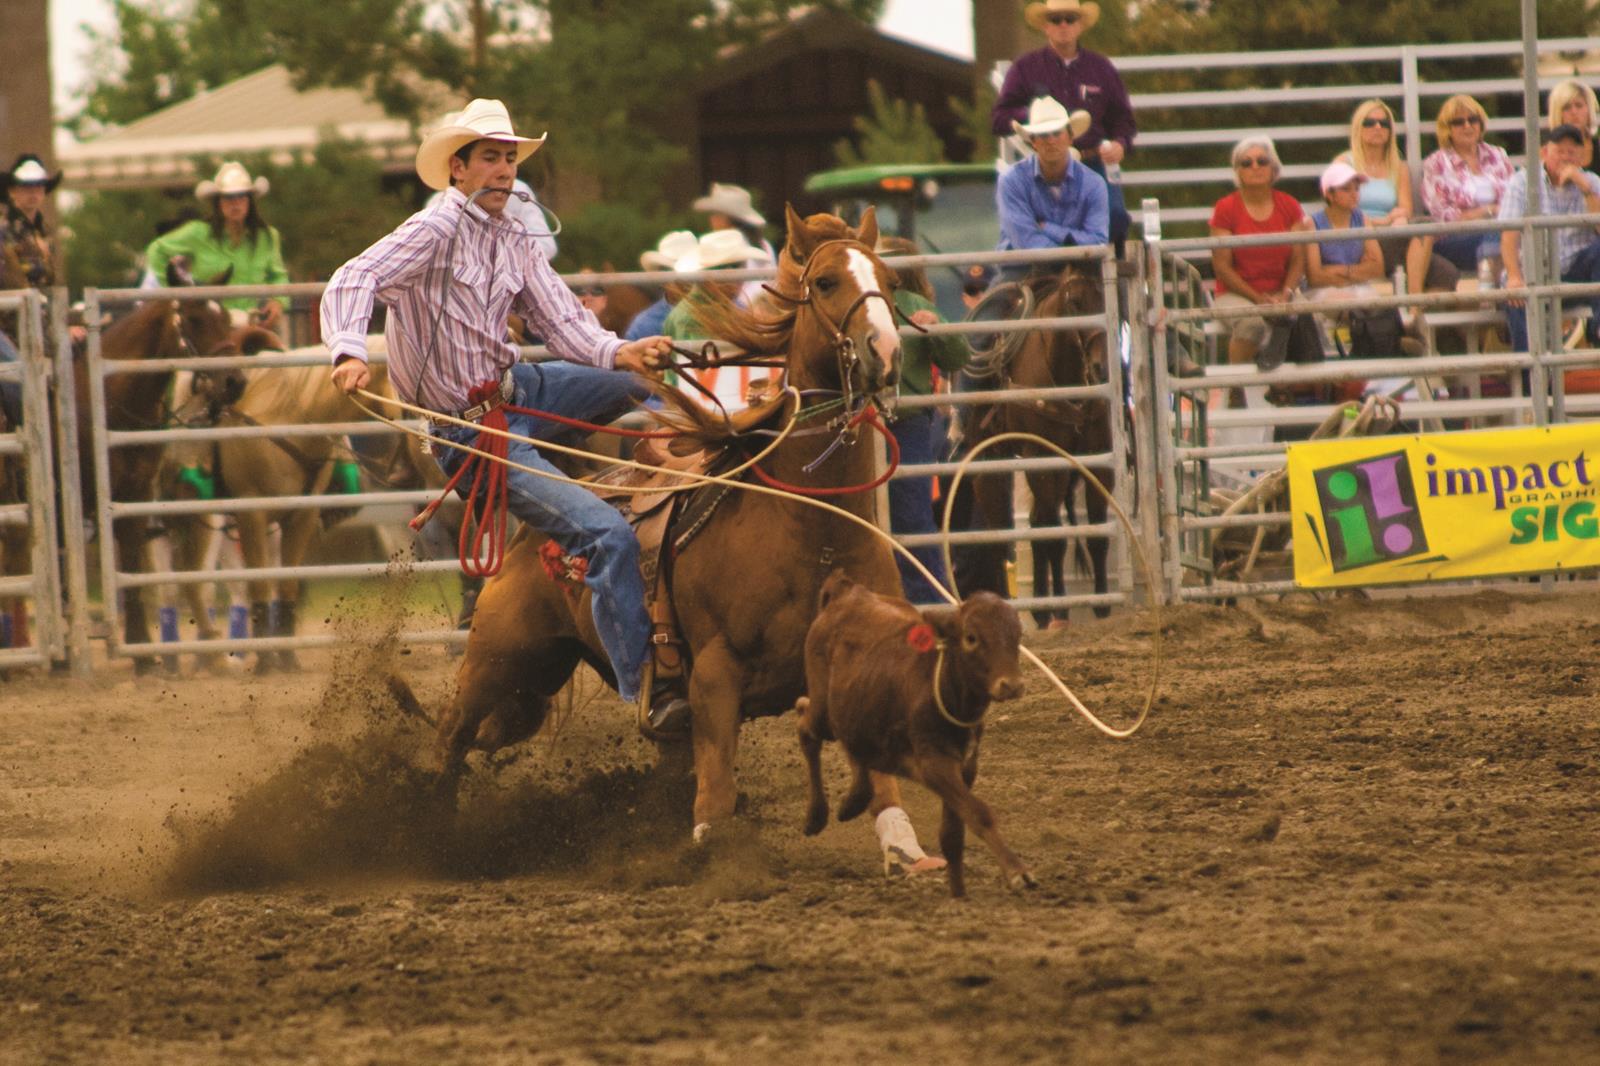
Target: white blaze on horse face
876 310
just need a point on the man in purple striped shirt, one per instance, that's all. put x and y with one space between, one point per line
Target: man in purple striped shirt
450 275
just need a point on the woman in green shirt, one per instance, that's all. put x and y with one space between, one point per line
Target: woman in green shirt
234 236
920 431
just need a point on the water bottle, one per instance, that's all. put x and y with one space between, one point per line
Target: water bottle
1114 173
1486 278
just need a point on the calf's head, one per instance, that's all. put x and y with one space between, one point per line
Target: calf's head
982 638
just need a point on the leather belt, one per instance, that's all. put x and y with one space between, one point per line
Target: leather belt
477 411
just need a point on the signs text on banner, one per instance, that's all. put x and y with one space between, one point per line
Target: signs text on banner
1376 510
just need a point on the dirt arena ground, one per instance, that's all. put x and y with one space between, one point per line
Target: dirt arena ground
1352 831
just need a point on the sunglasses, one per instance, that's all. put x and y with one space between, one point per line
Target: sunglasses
1368 123
1466 120
1063 20
1254 161
234 196
593 290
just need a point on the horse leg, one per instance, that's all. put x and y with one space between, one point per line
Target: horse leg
191 536
298 529
714 690
130 537
253 544
1049 556
1096 507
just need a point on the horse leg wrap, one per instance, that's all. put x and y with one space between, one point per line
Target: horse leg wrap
902 855
5 630
167 622
261 619
238 624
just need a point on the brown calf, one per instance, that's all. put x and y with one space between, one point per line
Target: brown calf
871 668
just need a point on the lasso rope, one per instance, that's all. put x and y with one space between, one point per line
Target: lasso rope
731 479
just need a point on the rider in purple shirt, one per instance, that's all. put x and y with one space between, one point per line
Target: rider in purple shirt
1082 81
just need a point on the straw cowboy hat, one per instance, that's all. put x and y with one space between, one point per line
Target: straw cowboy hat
29 170
232 180
481 120
671 248
1046 115
720 248
1038 13
731 200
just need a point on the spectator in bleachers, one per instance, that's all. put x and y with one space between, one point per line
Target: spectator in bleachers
1568 189
1464 180
1573 103
1386 199
28 256
1078 79
671 248
1342 268
1264 274
1049 199
920 431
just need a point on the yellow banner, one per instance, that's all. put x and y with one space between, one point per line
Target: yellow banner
1445 505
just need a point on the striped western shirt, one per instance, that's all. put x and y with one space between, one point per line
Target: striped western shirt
454 301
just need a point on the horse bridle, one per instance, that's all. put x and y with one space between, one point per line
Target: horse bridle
843 345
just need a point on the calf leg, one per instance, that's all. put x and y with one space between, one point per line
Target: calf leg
944 776
859 795
813 726
953 842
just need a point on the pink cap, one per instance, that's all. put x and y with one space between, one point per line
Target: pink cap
1339 174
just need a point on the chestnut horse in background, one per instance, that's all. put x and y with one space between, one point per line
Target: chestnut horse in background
745 588
1047 359
156 328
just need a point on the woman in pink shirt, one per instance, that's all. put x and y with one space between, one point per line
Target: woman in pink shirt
1263 274
1464 180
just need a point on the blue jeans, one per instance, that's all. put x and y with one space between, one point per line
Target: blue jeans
1465 249
1585 267
921 437
10 387
571 515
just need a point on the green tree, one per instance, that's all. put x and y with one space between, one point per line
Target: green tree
892 131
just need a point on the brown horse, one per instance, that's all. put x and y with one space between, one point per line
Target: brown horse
1045 360
264 466
157 328
745 589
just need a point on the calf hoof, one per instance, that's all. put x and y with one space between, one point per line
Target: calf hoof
1020 880
816 819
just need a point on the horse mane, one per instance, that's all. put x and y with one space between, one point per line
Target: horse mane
703 426
757 331
150 315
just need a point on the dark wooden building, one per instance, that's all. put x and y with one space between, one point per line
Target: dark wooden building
769 115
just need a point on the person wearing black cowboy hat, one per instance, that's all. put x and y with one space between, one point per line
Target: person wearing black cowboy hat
27 255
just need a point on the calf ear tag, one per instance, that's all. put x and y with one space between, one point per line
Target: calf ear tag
921 637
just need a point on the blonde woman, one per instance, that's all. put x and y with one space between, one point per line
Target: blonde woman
1573 103
1386 198
1464 180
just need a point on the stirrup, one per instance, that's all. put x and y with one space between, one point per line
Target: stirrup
674 724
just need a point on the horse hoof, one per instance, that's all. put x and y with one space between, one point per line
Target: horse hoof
816 820
702 832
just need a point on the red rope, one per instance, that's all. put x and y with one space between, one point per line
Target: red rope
869 415
485 528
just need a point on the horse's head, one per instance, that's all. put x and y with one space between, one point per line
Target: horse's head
844 322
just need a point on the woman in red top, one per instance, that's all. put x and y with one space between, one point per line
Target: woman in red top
1264 274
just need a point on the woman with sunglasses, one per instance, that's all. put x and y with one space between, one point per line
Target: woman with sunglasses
1464 180
1262 274
1573 103
1386 199
1080 80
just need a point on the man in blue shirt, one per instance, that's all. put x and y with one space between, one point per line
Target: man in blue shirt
1050 200
1568 190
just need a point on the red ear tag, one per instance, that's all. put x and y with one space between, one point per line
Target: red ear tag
921 637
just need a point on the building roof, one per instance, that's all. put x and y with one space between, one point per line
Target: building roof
260 112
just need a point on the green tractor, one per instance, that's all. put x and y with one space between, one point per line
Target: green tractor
944 207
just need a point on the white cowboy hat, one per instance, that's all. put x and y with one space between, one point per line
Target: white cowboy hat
481 120
731 200
671 248
1037 13
720 248
231 180
1046 115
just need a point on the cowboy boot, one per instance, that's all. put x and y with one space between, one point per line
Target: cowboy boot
261 626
